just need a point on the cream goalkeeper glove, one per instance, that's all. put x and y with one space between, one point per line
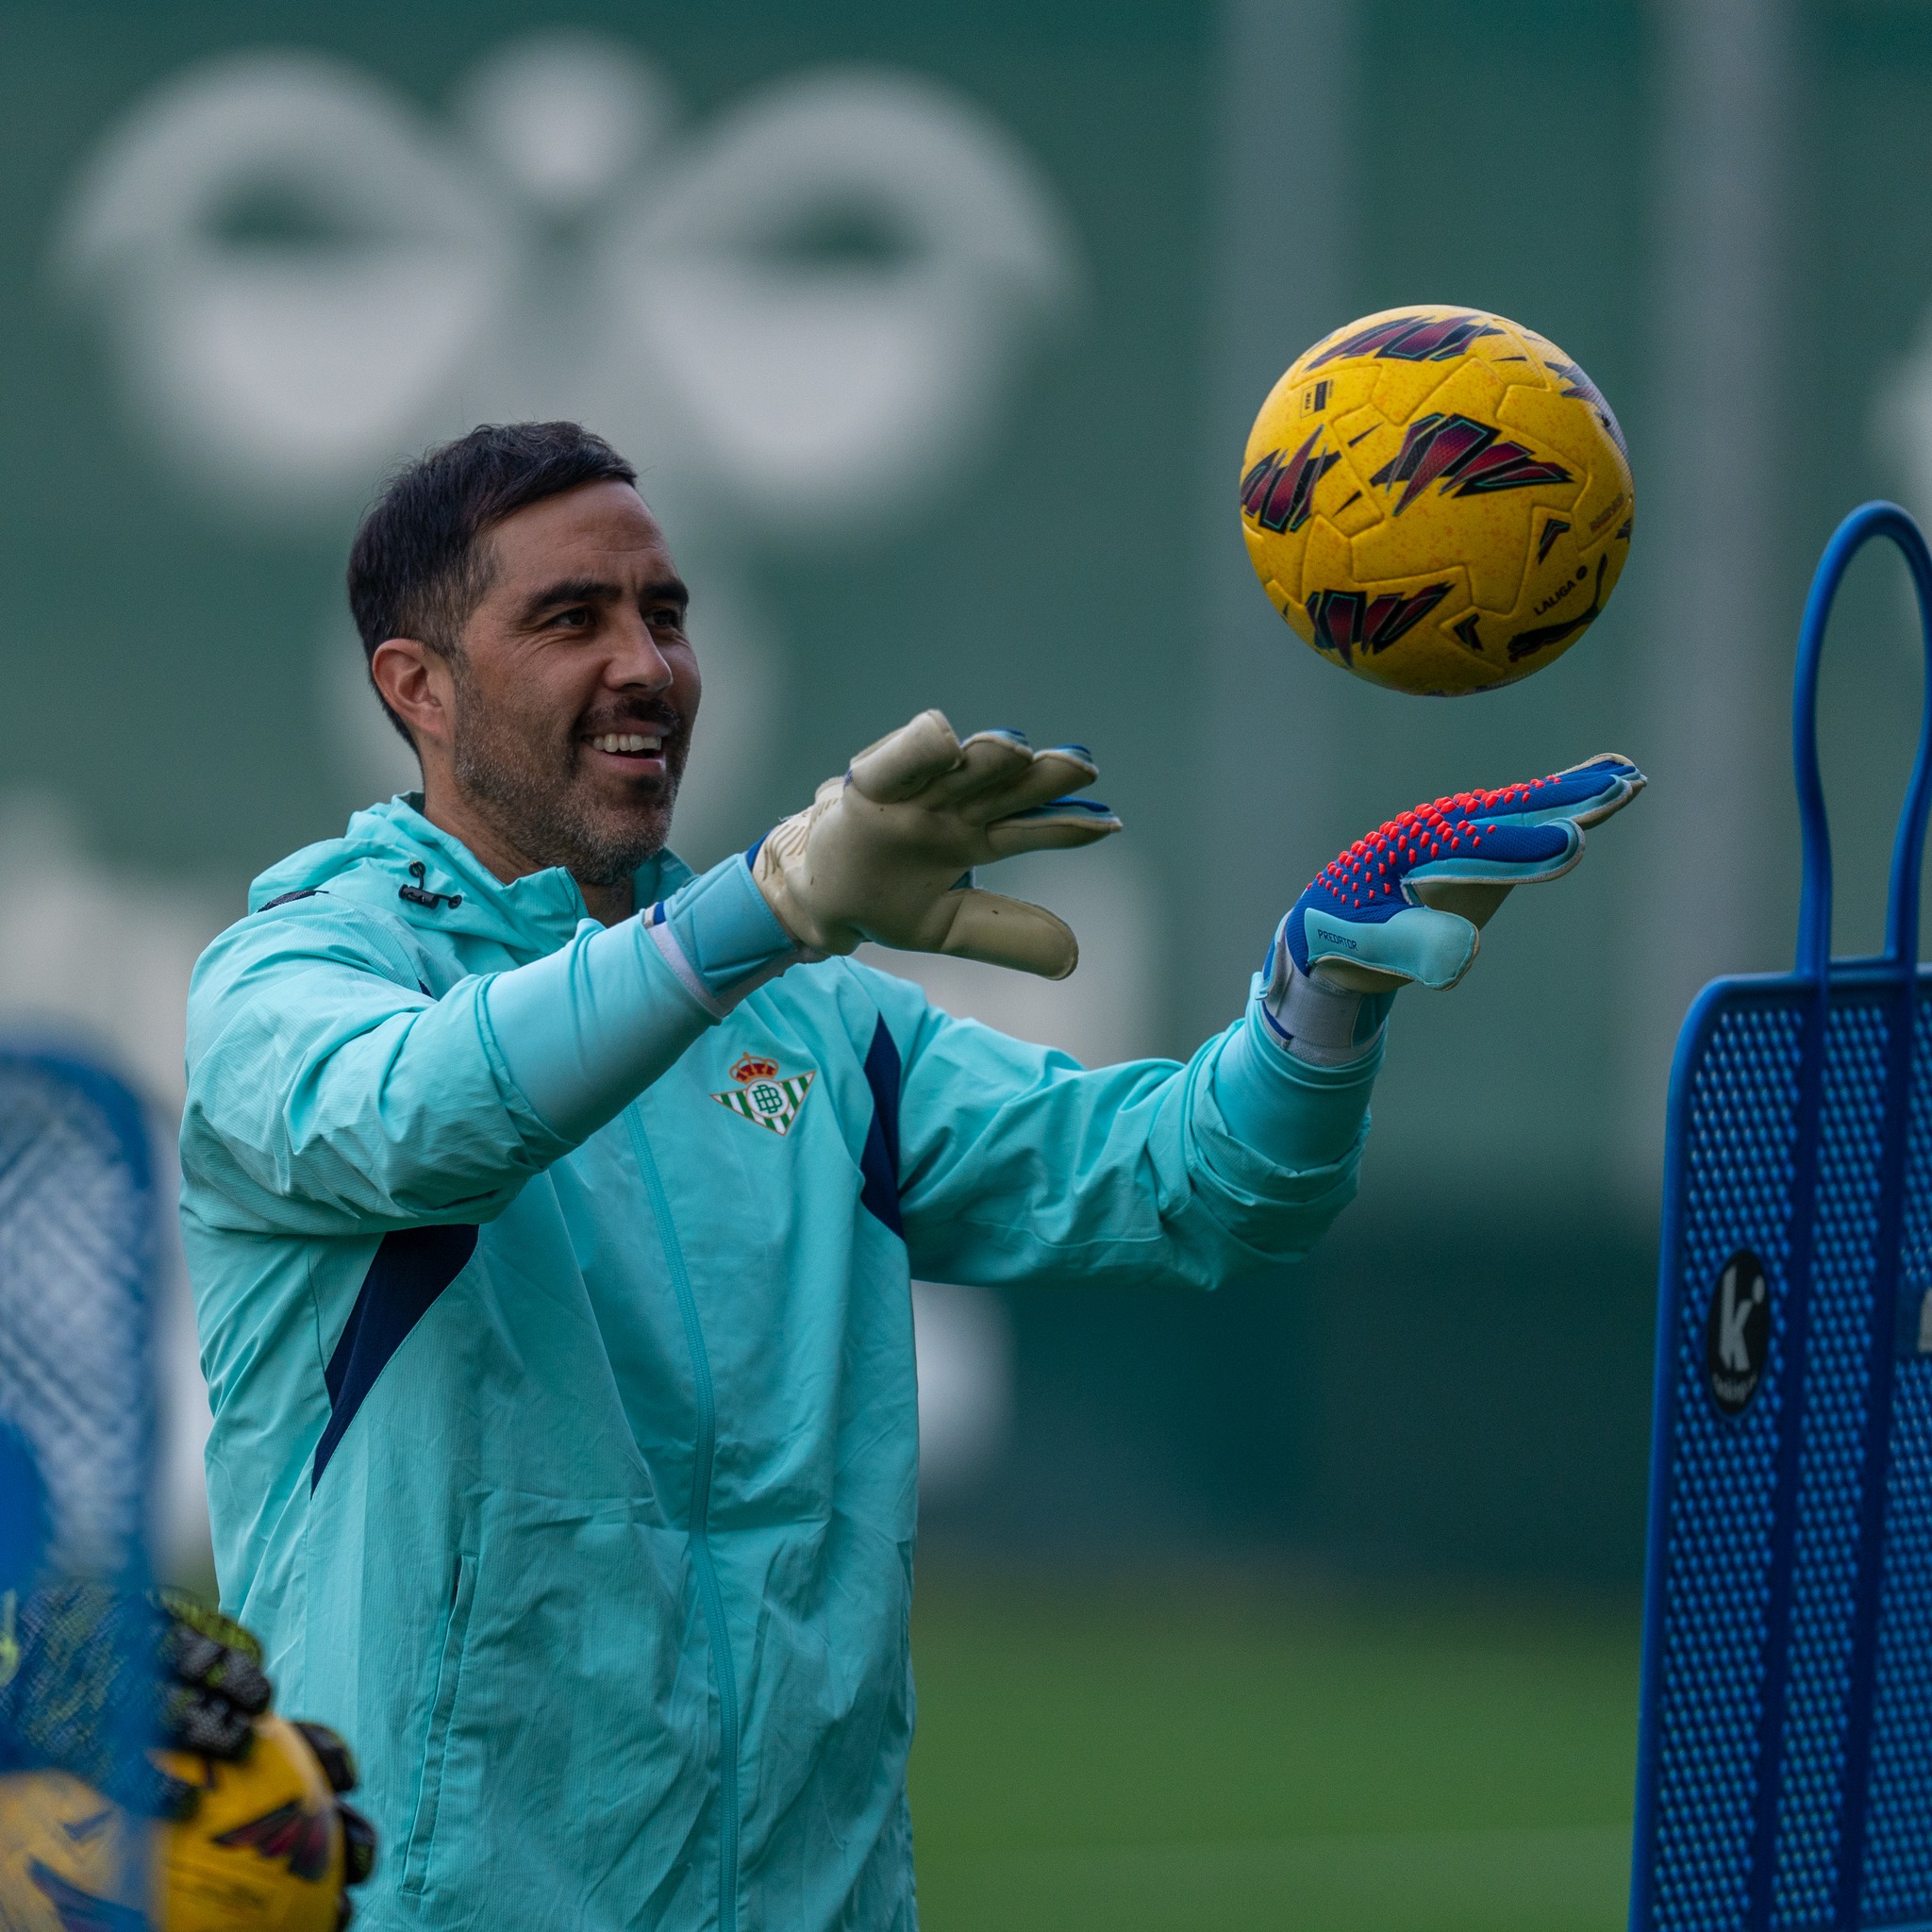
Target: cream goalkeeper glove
886 852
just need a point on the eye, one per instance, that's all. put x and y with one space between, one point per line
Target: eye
578 617
667 617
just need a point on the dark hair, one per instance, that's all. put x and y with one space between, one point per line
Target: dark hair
418 566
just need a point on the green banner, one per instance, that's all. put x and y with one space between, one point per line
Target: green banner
934 337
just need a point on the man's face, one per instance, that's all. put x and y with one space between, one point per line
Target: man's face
575 686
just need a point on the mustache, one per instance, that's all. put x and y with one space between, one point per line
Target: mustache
666 720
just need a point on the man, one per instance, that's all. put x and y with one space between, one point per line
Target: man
551 1214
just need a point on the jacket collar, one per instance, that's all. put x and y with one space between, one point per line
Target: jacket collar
388 841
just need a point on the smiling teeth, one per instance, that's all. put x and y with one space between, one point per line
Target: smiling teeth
626 741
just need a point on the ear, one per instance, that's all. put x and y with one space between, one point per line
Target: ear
415 683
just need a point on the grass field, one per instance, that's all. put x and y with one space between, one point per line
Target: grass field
1156 1757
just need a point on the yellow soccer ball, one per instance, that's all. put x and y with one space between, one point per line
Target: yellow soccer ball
1437 499
263 1851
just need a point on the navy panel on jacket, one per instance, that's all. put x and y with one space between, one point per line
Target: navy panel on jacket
411 1268
879 1164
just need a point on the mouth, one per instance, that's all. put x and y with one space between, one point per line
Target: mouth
635 753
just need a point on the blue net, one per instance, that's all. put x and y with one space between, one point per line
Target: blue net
77 1250
1740 1151
77 1261
1897 1878
1784 1766
1761 1748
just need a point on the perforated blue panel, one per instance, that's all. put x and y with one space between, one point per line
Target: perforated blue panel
1830 1424
1760 1804
1897 1885
1783 1774
77 1257
1739 1149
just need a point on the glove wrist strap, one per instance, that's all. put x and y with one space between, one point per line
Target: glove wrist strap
1311 1019
720 937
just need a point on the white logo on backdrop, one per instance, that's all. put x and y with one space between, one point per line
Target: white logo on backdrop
801 310
802 316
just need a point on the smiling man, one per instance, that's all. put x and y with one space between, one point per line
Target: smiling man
534 753
551 1212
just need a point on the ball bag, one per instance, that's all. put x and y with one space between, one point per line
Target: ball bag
262 1853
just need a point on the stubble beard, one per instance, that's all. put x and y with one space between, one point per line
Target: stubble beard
532 793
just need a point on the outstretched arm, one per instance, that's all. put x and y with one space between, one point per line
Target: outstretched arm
328 1090
1021 1166
1404 906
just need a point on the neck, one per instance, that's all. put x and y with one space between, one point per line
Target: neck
607 905
449 809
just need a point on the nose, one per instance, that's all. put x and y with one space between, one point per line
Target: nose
635 663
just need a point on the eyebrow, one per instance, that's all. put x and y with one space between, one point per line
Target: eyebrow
601 590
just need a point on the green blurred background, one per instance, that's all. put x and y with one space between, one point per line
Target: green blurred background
936 333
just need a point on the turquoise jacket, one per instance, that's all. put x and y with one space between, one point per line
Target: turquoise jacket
571 1471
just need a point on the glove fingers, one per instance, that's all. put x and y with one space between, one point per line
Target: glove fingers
204 1664
1508 854
333 1754
1584 794
1409 899
358 1846
1011 932
223 1630
1054 828
206 1724
906 760
1044 778
990 762
1052 775
1623 782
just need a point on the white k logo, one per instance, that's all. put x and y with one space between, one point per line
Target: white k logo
1732 1316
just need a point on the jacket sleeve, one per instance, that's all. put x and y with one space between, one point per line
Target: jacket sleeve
1018 1164
329 1093
326 1087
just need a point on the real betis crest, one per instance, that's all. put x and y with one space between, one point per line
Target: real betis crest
764 1096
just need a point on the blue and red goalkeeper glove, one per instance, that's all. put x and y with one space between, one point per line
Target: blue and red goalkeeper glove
1406 904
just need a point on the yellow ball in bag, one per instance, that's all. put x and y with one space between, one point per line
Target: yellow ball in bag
262 1853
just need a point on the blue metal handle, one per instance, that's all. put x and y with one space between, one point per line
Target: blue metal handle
1814 907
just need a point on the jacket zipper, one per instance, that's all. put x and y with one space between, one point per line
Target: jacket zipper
708 1591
